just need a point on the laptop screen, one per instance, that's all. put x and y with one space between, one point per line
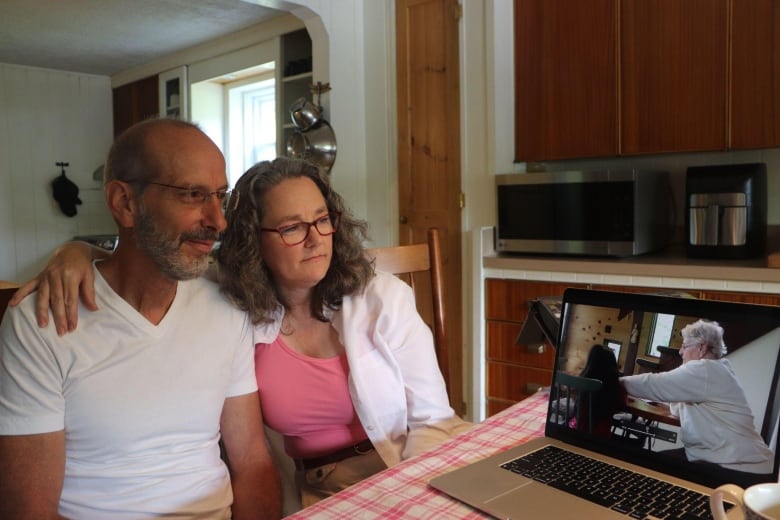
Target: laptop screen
644 378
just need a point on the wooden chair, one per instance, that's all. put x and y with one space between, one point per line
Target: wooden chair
424 258
574 394
7 289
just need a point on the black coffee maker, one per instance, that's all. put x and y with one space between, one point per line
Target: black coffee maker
726 211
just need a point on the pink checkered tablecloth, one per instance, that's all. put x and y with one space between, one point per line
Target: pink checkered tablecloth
402 491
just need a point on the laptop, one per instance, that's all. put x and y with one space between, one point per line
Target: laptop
641 441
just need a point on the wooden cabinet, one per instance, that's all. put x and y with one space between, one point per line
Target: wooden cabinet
673 70
565 84
135 102
657 76
513 372
754 83
741 297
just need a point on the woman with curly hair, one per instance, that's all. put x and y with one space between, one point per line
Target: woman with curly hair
346 367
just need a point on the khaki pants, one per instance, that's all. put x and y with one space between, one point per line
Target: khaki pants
324 481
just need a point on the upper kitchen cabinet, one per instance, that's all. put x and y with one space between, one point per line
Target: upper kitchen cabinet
134 102
565 79
755 74
673 75
631 77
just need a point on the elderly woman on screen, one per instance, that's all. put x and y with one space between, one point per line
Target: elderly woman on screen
716 421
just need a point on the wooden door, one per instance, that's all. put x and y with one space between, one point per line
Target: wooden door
565 79
135 102
429 187
673 74
755 80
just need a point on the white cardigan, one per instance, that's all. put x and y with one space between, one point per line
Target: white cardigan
394 379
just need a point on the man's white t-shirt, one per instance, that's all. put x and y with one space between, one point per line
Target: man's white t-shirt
140 403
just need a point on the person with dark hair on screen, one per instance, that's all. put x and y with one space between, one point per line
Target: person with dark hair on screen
611 397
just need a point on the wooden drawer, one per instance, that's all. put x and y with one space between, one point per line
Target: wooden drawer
507 300
494 406
761 299
501 347
514 382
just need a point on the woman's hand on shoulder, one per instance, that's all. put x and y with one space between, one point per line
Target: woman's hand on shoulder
67 277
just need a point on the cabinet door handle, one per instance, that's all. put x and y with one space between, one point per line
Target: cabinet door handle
535 349
532 388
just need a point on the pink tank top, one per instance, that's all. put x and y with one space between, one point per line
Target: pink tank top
306 400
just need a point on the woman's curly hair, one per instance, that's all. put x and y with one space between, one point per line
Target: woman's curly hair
243 276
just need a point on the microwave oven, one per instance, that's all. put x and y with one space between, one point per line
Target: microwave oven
599 213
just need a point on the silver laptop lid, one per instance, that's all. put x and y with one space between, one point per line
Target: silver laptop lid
706 420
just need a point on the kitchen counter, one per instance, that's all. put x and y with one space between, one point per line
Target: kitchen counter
670 269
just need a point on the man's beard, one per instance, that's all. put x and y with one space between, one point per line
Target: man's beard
164 248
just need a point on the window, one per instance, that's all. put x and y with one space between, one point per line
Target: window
660 333
251 128
615 347
237 110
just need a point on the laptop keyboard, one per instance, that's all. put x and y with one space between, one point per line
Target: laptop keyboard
622 490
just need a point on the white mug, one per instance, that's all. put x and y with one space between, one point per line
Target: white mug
759 502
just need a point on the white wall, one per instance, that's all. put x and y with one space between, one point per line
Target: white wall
46 117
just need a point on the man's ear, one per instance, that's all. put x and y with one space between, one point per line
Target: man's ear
122 203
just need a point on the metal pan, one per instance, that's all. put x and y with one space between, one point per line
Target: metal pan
317 145
304 114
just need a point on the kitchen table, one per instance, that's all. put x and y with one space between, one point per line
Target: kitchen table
402 491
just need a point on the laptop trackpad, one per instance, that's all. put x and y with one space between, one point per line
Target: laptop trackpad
541 501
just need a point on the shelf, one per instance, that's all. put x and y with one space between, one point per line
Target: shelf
295 55
297 77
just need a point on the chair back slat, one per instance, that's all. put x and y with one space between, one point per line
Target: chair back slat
404 262
7 290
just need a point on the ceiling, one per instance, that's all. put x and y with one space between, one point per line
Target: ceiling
109 36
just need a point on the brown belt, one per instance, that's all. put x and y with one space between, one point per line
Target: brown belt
361 448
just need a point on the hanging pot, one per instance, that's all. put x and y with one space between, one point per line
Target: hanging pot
304 114
317 145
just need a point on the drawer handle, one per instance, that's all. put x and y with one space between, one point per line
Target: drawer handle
532 388
535 349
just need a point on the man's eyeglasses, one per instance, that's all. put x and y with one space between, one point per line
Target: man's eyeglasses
294 234
193 195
